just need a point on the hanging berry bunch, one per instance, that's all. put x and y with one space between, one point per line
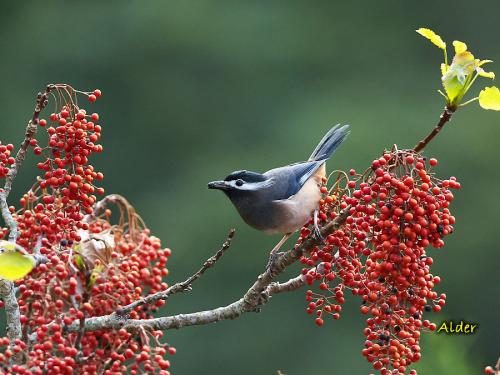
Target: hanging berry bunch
93 267
65 191
397 210
112 266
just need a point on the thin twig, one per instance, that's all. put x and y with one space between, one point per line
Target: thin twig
101 205
31 130
443 119
182 286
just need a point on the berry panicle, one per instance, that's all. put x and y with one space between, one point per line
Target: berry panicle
94 267
397 210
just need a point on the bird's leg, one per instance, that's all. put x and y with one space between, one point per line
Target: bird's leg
317 231
273 255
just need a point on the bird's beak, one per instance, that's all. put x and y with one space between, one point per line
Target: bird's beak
219 185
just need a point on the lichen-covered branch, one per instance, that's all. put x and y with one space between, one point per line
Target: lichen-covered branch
288 286
31 130
8 295
7 216
256 296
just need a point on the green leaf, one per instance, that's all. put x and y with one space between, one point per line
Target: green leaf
432 36
460 47
485 74
14 264
489 98
456 76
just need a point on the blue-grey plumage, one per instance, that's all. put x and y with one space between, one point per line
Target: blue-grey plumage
282 199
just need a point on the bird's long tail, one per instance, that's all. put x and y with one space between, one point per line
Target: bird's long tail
333 139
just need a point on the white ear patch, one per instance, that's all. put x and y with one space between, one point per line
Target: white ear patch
254 186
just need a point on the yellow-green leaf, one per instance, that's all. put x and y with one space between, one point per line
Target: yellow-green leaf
432 36
14 264
482 62
460 47
485 74
489 98
456 76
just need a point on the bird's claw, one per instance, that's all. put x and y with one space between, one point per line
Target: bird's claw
317 231
317 234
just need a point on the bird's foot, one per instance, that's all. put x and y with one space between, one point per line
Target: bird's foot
317 233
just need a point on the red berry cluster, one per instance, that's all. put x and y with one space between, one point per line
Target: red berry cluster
56 204
94 268
6 159
110 268
396 210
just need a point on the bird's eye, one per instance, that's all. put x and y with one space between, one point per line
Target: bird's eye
239 182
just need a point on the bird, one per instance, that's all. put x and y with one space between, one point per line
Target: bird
283 199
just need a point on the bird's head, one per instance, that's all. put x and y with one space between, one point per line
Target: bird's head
240 183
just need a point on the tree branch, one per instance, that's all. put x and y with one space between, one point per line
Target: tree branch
7 289
288 286
13 316
443 119
256 296
31 130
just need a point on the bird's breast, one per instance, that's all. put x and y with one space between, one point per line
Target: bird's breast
292 213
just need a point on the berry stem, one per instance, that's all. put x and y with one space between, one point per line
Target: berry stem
443 119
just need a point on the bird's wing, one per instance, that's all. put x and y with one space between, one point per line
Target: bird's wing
289 180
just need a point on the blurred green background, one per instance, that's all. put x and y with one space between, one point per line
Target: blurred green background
193 90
